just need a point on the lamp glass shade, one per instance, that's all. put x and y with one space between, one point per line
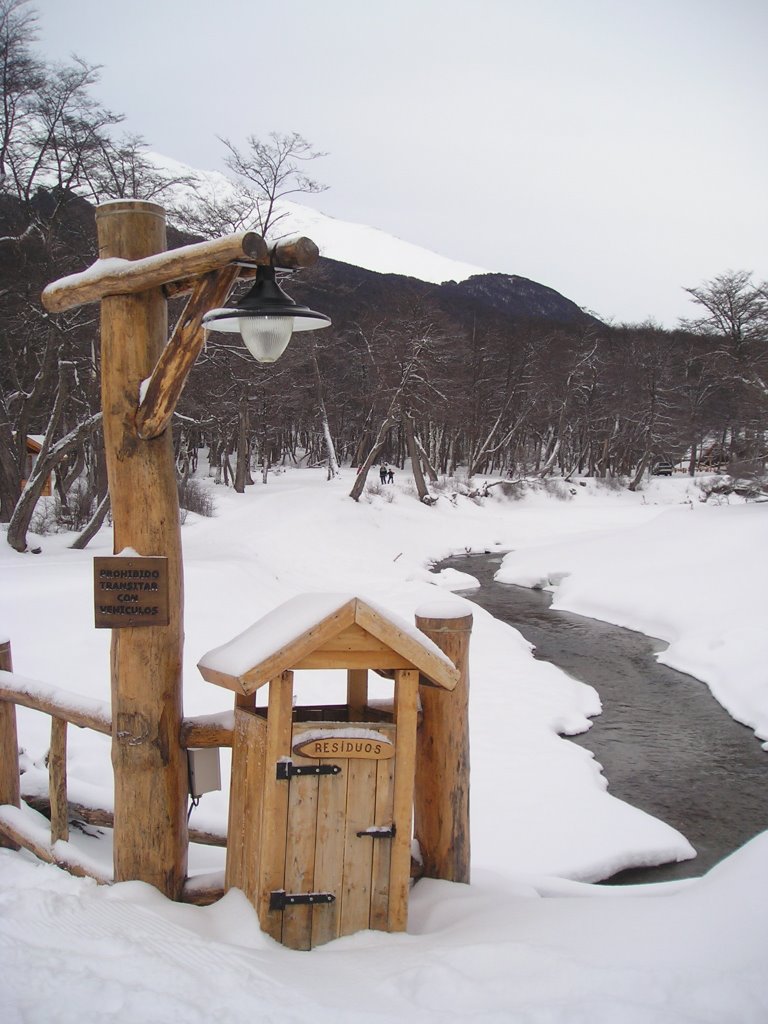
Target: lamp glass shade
266 317
266 337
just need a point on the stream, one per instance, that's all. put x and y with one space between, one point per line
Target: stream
664 742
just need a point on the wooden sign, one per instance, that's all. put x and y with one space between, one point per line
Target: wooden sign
130 592
345 745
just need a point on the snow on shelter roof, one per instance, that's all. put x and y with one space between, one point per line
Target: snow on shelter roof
339 630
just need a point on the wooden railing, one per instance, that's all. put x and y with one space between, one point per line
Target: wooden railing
66 708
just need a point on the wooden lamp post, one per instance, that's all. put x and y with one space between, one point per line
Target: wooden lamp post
142 378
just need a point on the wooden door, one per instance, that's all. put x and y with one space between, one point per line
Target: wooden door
338 833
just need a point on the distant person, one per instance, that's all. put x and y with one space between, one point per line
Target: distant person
390 476
383 473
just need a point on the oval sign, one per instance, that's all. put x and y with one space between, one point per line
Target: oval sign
339 745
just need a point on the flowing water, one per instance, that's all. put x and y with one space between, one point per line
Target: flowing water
664 742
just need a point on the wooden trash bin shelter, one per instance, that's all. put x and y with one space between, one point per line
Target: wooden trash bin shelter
321 800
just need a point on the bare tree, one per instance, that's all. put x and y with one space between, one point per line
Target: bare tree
734 308
264 172
22 76
121 169
333 462
271 170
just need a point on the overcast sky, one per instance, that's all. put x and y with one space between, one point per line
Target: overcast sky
615 150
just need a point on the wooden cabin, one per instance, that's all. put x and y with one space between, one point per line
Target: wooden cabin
321 801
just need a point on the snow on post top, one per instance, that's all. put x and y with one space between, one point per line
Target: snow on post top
444 608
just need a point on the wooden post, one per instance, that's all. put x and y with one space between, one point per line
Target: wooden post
441 806
150 842
357 693
9 747
57 780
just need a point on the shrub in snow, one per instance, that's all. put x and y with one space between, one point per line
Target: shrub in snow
613 483
76 511
377 490
560 489
55 516
195 497
44 518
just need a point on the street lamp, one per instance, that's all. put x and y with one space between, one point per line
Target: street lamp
266 317
143 374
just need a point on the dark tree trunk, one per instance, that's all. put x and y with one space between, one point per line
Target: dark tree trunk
93 526
362 473
243 448
418 476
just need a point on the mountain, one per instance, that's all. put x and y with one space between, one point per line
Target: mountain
518 297
369 249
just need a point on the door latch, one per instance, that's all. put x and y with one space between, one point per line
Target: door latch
279 899
378 832
288 770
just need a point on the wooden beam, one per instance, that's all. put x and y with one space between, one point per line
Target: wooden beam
174 269
201 896
16 831
353 659
13 692
178 357
437 671
290 254
294 253
195 733
126 276
102 818
286 657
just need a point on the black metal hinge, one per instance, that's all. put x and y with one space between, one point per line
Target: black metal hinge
378 832
287 769
279 899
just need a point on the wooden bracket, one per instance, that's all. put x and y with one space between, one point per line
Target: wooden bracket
178 357
126 277
207 270
175 269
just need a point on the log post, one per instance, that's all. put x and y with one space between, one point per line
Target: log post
150 841
9 747
441 805
57 780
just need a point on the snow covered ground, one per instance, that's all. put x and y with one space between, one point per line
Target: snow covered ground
530 939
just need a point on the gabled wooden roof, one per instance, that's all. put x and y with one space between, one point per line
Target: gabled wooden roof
325 631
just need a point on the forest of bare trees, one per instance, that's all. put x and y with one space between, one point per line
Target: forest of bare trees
443 379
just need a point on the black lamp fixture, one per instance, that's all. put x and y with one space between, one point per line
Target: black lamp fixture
266 317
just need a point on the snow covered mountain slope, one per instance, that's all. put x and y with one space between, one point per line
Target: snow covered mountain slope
339 240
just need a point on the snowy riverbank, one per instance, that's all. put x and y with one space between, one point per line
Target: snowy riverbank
540 807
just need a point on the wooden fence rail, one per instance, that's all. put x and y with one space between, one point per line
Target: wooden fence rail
67 708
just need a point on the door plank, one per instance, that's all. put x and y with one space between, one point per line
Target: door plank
329 854
358 855
275 812
300 854
382 848
245 803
